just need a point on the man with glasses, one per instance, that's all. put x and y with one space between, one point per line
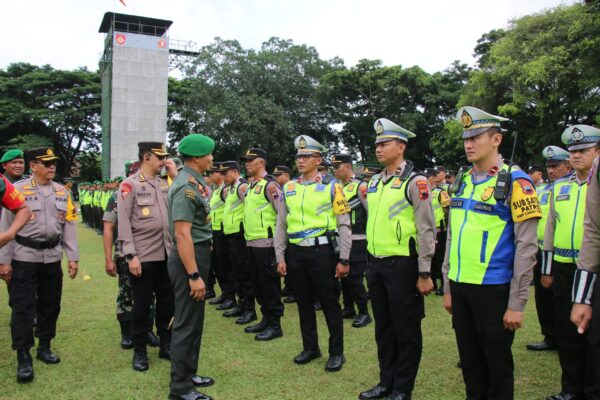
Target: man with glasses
311 210
143 225
35 256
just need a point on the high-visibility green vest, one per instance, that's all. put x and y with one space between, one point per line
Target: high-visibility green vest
217 207
391 221
233 215
259 216
482 249
438 210
310 210
569 207
544 192
358 214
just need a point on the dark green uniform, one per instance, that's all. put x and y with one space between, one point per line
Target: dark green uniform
188 201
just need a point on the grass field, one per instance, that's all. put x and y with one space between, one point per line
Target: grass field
93 365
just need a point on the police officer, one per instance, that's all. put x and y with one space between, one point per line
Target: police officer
233 228
536 174
490 255
282 176
369 171
400 221
353 286
585 313
440 200
189 264
144 231
13 164
557 165
562 241
260 216
311 210
35 256
220 256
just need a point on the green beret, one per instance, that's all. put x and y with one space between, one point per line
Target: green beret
11 155
196 145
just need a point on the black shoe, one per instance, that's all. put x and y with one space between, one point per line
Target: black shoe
439 292
458 364
334 363
272 332
307 356
202 381
246 318
217 300
563 396
24 366
348 313
228 304
286 292
261 326
542 346
236 311
399 396
361 320
153 340
377 392
210 294
47 356
289 300
34 322
126 340
165 349
194 395
317 305
140 360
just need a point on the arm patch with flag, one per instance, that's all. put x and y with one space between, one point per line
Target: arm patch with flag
11 197
524 203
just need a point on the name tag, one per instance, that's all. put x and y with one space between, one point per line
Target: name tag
563 197
483 207
457 203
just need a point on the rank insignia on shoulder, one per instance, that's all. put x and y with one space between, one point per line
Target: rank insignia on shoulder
192 180
190 194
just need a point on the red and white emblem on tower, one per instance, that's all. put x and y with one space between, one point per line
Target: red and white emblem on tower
120 39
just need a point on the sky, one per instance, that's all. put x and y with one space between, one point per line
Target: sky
430 34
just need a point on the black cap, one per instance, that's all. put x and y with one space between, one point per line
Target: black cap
339 159
280 169
41 154
439 168
429 172
157 148
253 154
216 165
535 168
229 165
324 165
370 170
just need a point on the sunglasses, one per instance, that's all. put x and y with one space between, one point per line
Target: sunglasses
160 157
47 164
304 156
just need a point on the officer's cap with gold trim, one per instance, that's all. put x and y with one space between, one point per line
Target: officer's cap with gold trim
339 159
308 146
387 130
475 121
580 137
280 169
555 155
157 148
253 154
41 154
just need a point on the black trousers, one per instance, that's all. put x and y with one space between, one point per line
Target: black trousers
34 287
544 299
222 265
438 259
398 310
575 352
594 335
154 281
484 346
312 273
238 254
266 281
188 321
353 286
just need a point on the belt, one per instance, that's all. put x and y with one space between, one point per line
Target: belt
313 241
203 243
38 244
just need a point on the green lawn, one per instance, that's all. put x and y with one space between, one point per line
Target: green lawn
94 366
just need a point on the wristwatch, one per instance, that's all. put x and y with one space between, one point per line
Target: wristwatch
129 257
194 276
344 262
424 275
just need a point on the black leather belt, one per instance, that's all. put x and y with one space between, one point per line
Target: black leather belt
38 244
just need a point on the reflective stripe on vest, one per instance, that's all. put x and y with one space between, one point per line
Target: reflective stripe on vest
482 249
569 208
233 215
217 207
259 215
310 210
391 219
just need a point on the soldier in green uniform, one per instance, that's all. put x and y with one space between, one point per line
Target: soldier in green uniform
13 164
557 165
562 241
189 264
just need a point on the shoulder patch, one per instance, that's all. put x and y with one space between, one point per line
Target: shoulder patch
423 189
340 203
524 201
362 189
126 188
273 191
